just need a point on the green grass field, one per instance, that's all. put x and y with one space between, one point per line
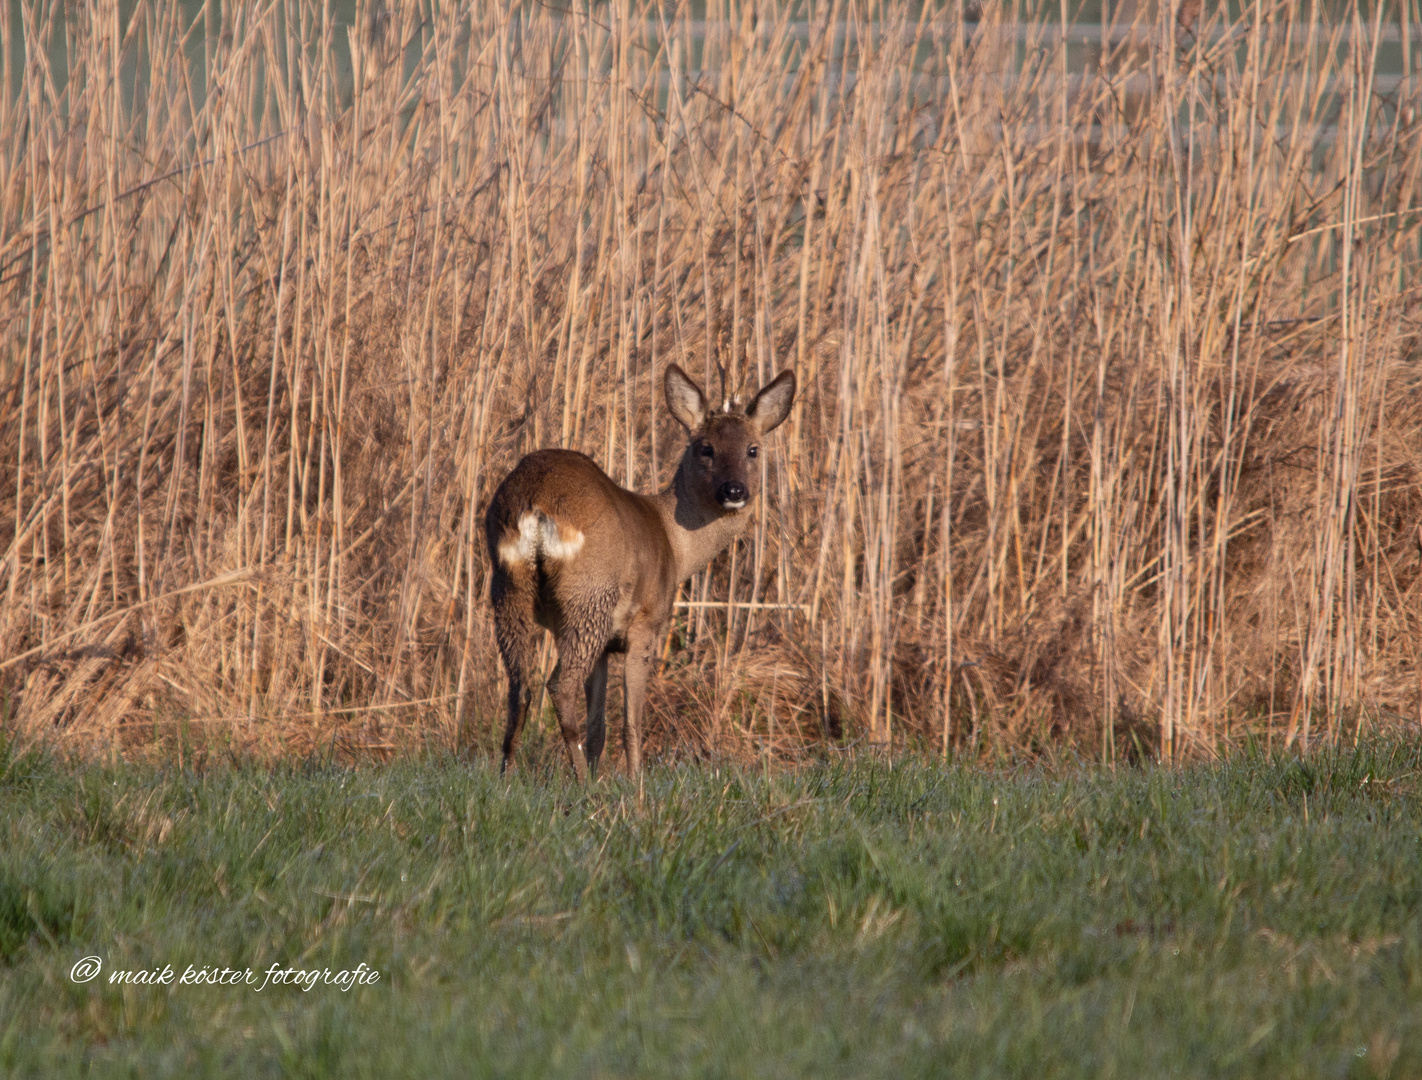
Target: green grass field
848 918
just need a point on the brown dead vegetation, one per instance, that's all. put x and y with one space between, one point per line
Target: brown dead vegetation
1108 436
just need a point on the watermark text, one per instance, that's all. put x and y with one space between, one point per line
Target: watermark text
90 968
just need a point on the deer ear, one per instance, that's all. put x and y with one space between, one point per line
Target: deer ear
772 405
685 399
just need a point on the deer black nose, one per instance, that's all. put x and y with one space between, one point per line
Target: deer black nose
731 494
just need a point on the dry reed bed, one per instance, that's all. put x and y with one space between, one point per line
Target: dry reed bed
1109 427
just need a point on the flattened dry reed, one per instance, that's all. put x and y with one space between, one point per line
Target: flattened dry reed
1109 428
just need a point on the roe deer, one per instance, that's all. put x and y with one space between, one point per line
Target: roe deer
599 565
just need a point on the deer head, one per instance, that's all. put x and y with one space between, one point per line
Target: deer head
721 466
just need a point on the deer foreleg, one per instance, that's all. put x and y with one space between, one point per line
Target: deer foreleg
641 655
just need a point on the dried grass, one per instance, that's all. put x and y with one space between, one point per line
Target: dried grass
1108 436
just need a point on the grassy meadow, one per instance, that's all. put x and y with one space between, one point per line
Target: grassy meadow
1107 340
853 917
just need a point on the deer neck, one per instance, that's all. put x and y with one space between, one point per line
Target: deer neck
698 532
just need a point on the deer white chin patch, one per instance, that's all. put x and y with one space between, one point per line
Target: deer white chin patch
733 505
539 534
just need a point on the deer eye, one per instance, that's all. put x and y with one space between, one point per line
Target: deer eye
753 451
707 451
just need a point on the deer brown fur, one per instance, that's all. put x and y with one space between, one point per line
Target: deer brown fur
598 565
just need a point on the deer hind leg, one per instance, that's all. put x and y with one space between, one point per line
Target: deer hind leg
516 630
595 687
581 644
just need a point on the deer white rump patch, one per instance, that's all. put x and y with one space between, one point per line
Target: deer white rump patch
539 534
